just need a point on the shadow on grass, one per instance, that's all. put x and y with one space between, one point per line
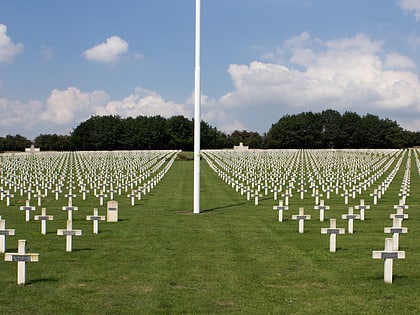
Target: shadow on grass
210 209
225 207
82 249
33 281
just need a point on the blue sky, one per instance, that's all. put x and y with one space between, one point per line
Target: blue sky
63 61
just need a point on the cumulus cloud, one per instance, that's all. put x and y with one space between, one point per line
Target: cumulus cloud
354 73
70 105
107 52
146 103
66 109
8 50
410 6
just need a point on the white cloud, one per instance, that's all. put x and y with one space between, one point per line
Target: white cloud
72 105
17 117
397 61
66 109
144 102
8 50
410 6
107 52
353 74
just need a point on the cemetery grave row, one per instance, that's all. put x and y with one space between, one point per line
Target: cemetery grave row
312 179
52 187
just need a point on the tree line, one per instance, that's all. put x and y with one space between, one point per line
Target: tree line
327 129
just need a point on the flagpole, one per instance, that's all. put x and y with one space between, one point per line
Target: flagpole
197 101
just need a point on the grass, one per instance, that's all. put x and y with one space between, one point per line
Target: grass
234 257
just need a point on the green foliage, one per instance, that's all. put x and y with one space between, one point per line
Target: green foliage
14 143
329 129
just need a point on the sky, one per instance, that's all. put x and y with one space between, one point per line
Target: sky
62 62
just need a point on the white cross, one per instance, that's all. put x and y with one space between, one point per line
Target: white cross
388 255
3 233
396 230
280 208
69 233
22 258
301 217
351 217
95 218
27 208
43 218
332 231
321 207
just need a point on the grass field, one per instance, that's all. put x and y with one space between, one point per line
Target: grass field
234 257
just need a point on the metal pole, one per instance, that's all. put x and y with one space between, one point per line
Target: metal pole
197 101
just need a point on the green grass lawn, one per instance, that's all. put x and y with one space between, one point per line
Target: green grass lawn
233 257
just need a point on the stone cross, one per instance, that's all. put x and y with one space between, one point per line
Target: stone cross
375 196
83 190
346 197
3 233
286 196
43 218
362 208
70 210
39 196
321 207
22 258
70 195
8 196
316 194
388 255
280 208
399 215
132 196
332 231
396 230
401 205
351 217
256 197
101 197
95 218
301 217
69 233
27 208
275 192
302 191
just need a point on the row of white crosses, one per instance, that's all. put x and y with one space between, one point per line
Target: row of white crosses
98 173
223 164
284 172
36 176
391 250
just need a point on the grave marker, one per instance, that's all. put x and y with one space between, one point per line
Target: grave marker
27 208
332 231
43 218
22 258
280 208
396 230
362 208
3 233
301 217
69 233
350 217
112 211
95 218
321 207
388 255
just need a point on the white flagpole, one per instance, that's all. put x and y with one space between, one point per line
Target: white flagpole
197 101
